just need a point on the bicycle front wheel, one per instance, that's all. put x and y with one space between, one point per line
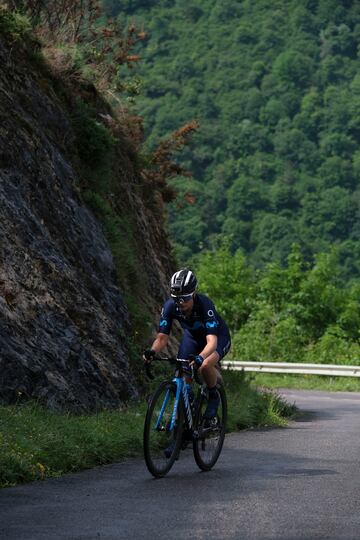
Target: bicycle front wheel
210 433
161 440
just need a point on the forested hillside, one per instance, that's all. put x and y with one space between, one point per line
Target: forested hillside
270 219
276 89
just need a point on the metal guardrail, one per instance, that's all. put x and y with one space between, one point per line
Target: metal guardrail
304 369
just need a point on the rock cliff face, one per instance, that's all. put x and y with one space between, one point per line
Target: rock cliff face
63 321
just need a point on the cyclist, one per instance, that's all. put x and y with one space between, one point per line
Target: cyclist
206 338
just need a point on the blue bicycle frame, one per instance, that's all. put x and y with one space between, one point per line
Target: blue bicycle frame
180 390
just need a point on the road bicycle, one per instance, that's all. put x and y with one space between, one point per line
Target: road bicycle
175 418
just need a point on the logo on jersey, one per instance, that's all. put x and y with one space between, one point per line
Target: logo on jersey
211 313
211 324
163 323
197 324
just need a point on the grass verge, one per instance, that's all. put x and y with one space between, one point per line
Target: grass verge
307 382
249 407
36 443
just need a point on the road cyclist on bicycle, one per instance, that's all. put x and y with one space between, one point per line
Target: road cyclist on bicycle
206 338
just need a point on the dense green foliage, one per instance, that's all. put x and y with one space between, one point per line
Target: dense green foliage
36 443
277 91
296 313
14 25
276 88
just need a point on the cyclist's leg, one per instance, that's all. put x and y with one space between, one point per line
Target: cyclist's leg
189 345
210 371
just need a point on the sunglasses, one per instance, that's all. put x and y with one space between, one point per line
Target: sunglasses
183 299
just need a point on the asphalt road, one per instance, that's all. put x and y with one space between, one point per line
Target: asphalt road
299 482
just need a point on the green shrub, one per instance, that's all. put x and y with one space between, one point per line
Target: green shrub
15 25
333 348
227 278
94 141
248 407
294 314
269 336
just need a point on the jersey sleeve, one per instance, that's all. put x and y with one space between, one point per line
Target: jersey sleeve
211 320
166 318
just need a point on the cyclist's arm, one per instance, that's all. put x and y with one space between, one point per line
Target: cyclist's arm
165 324
160 342
210 347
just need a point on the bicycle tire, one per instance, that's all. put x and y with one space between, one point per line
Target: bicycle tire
157 440
210 434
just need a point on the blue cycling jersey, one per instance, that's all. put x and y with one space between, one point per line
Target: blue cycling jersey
202 321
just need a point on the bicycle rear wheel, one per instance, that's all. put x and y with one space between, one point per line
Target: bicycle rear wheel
161 443
210 433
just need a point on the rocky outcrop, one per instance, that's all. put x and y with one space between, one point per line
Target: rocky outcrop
63 322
